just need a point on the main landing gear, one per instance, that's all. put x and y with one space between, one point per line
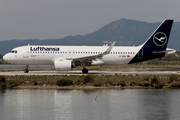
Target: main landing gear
85 71
26 70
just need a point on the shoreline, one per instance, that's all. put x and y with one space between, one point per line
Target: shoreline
88 87
81 87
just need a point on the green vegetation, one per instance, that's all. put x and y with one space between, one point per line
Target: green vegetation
173 77
2 82
107 81
64 82
88 79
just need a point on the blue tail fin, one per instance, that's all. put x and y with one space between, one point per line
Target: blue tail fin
160 36
155 46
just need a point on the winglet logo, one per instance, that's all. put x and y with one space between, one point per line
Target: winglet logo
160 39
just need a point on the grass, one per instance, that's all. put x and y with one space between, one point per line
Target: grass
157 81
64 82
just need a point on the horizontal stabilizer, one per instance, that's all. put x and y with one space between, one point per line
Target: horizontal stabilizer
165 51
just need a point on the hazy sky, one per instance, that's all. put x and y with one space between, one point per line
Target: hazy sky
46 19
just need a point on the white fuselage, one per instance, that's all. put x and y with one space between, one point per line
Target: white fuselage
32 55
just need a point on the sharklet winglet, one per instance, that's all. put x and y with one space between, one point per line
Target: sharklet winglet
109 49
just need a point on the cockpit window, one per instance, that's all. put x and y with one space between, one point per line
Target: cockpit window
14 51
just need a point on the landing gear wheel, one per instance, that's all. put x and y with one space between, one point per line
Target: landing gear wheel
26 70
85 71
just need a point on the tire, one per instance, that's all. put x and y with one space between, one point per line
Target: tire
26 70
85 71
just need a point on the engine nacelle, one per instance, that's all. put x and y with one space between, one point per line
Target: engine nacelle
62 65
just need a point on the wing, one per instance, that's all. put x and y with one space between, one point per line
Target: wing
93 57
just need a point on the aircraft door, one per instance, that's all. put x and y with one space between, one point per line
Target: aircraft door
26 52
140 54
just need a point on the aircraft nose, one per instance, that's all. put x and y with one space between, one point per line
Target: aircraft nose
6 57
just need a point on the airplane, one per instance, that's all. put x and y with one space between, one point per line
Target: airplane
66 57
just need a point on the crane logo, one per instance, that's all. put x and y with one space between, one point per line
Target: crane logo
160 39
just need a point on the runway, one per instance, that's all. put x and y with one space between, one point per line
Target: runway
99 72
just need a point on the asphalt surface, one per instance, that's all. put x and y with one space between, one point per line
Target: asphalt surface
99 72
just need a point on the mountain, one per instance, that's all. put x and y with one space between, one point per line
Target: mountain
124 31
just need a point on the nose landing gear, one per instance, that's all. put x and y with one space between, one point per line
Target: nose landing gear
26 70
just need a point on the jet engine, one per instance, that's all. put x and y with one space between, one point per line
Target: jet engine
62 64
